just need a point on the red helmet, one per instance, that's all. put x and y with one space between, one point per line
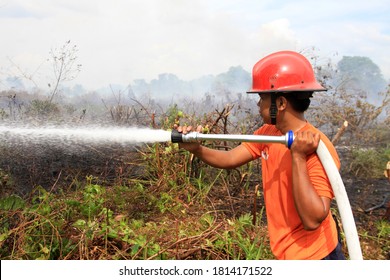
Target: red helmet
284 71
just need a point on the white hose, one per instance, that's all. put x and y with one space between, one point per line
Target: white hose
348 222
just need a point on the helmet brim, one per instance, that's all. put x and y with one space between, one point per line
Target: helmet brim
279 91
305 88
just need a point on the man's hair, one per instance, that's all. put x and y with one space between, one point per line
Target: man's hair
299 100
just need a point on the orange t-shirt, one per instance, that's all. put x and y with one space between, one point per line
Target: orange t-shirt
288 238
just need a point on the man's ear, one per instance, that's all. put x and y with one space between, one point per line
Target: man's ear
281 103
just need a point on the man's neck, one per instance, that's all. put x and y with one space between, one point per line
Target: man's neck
293 122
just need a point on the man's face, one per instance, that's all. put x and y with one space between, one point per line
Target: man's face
264 106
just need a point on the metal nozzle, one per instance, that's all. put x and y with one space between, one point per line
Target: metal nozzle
178 137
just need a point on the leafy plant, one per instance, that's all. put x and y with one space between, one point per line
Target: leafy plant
369 163
12 203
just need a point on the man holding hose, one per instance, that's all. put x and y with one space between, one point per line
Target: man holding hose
297 191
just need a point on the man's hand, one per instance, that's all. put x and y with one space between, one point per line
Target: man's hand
193 146
185 129
305 143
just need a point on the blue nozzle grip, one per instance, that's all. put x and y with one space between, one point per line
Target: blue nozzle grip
290 138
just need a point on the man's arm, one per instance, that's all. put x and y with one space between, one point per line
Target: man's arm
221 159
216 158
311 207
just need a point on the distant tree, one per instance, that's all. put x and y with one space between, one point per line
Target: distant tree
357 93
140 86
235 80
65 66
363 76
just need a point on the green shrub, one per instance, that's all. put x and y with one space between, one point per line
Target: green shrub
369 163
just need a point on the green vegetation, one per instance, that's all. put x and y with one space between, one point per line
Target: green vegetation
369 163
133 222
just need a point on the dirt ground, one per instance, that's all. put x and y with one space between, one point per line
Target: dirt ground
368 198
369 201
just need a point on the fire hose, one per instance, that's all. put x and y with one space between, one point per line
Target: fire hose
344 207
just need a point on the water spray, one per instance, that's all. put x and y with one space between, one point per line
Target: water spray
92 134
345 210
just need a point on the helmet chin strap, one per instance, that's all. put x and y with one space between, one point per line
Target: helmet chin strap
273 109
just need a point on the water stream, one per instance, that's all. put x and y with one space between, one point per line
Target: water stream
81 135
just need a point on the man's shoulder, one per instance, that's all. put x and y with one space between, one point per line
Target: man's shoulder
267 129
328 143
314 129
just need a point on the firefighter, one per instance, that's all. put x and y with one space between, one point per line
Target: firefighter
297 191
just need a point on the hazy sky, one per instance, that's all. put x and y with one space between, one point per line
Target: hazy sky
123 40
